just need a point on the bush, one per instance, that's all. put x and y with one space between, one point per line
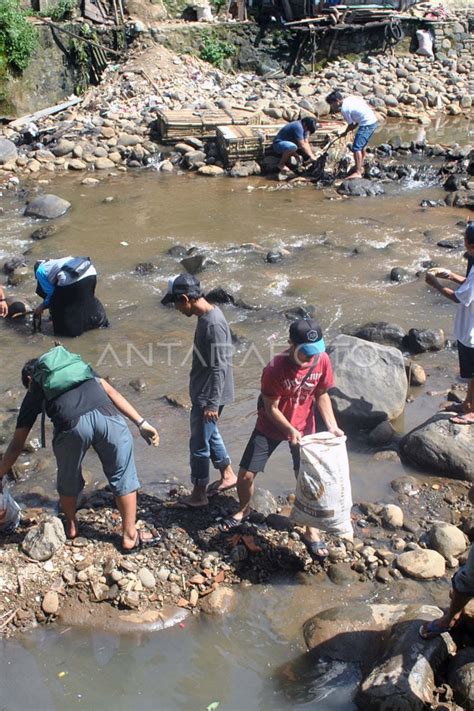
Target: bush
18 38
62 10
214 50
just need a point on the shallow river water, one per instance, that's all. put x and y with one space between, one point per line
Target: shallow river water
235 662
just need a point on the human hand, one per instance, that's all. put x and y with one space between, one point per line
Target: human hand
440 273
149 433
431 279
295 437
3 309
335 430
210 415
39 310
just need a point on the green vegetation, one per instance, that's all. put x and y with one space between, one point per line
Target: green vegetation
215 50
18 38
62 10
217 5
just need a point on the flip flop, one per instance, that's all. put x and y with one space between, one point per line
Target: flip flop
214 488
142 543
461 420
227 524
431 630
315 548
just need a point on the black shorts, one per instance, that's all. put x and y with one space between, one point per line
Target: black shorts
466 361
259 450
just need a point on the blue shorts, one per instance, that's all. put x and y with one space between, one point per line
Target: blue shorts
463 579
110 437
363 136
282 146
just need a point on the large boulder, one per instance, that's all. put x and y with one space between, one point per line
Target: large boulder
42 541
461 678
351 633
404 678
371 382
360 187
47 207
8 151
387 334
447 539
420 341
440 447
422 564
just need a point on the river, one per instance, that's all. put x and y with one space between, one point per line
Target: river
234 662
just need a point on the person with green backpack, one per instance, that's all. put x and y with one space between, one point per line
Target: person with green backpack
86 411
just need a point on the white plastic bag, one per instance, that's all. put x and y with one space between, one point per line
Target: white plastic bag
425 43
13 512
323 488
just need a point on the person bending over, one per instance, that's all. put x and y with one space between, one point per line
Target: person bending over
358 115
293 138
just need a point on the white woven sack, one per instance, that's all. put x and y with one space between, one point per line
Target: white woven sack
323 488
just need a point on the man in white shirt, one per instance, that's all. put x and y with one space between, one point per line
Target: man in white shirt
357 114
463 324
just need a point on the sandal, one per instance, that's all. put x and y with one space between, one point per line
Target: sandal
431 630
227 524
141 543
466 419
315 548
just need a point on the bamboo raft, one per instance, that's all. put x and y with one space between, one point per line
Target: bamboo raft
251 142
176 125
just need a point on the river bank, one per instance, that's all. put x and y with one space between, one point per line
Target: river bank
89 582
114 127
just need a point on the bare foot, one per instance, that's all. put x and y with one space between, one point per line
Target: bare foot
72 529
467 419
284 169
227 481
140 539
352 176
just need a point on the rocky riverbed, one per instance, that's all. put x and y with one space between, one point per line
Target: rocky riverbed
114 128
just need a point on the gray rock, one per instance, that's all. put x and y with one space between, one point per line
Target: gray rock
422 564
47 207
63 148
392 516
420 341
362 370
50 603
219 602
8 151
145 268
194 158
245 169
382 434
447 540
404 679
43 232
461 678
264 502
195 263
147 578
42 541
360 187
400 275
387 334
342 574
440 447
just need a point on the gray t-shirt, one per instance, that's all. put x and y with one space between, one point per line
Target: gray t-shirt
211 382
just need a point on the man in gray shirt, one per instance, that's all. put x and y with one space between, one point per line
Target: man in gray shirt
211 386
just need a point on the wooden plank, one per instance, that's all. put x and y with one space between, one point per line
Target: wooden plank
43 113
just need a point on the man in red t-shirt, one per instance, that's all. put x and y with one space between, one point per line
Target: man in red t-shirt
293 383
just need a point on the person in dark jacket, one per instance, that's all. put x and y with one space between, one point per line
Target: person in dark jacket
67 286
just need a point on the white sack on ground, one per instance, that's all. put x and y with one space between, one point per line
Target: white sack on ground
323 488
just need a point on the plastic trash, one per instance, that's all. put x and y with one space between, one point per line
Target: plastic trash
8 503
425 43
